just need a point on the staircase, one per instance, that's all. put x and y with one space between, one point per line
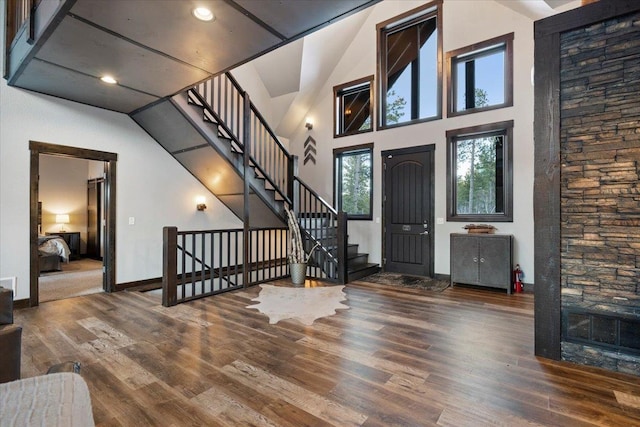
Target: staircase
218 135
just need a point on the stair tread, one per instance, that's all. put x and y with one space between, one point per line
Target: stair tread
364 271
362 267
358 255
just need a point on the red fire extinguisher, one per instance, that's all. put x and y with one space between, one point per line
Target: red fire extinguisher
517 277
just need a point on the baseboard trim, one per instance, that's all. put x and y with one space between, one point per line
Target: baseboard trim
442 276
148 284
20 303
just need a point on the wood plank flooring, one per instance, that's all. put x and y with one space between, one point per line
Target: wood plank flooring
397 357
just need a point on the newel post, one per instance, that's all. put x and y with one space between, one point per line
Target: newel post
169 265
246 141
342 248
293 187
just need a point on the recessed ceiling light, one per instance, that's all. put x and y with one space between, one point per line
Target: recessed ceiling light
203 14
108 79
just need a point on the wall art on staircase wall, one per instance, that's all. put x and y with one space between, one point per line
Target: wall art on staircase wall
310 150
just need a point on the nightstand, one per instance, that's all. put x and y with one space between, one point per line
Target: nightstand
73 241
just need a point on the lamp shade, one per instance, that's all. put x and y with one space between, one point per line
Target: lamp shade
62 219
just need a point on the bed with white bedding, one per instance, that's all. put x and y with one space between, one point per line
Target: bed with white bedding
52 251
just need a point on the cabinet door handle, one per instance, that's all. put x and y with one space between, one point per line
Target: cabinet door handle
475 259
481 259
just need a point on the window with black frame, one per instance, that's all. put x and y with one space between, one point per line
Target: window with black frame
410 72
479 173
480 76
352 107
354 180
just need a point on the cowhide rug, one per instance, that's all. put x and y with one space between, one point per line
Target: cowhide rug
302 304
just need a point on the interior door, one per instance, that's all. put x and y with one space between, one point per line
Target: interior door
408 210
94 218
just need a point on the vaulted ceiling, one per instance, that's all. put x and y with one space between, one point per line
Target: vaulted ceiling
293 75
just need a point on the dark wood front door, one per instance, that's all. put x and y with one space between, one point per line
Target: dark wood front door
408 210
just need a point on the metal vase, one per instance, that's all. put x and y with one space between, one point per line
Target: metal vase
298 273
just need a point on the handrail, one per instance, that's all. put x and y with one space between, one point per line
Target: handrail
17 13
314 193
273 135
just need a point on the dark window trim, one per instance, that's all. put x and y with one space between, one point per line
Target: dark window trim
429 10
507 41
478 131
352 149
336 92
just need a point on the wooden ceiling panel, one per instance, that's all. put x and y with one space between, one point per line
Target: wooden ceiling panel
43 77
168 26
85 49
293 17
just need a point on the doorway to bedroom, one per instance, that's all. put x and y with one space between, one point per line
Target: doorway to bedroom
72 222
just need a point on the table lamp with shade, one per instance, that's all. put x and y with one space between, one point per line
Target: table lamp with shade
62 219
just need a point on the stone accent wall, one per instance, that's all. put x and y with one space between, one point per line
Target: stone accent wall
600 179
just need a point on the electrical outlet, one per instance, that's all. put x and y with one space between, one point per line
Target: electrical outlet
132 220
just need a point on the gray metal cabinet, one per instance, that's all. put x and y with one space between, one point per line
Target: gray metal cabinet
482 259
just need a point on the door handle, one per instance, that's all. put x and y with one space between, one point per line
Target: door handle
424 233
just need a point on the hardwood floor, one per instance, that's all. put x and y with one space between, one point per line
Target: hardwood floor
398 356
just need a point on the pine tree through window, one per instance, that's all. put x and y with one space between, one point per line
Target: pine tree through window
353 180
479 173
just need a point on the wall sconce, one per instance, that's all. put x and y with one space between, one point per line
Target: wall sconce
200 203
62 219
309 123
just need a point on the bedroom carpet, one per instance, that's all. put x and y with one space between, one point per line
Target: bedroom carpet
77 278
302 304
416 282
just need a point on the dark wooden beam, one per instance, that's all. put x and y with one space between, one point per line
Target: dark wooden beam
546 200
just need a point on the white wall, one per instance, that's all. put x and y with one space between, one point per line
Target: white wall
62 189
464 22
151 186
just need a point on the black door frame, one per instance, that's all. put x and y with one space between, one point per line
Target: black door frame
109 160
99 185
404 151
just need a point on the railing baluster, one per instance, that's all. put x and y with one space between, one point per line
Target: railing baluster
236 259
169 265
183 278
264 247
202 264
220 261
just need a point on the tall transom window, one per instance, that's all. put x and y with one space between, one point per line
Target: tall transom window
410 66
354 180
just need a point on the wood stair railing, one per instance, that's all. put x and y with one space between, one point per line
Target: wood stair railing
228 106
